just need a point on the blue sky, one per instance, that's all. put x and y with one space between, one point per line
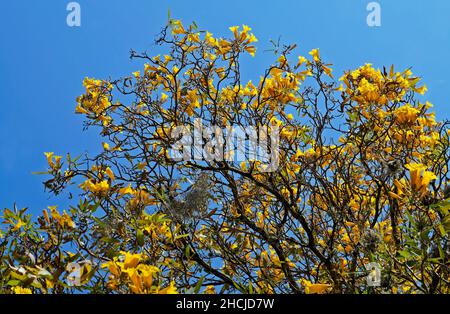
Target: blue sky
43 61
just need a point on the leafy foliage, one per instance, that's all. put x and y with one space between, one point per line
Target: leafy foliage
362 178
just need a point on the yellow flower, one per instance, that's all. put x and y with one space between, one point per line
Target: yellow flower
131 260
67 220
210 39
126 190
147 273
46 217
164 97
406 114
421 90
282 60
252 39
328 71
177 27
234 29
315 54
110 174
113 268
141 165
420 178
80 109
246 28
20 290
194 37
18 225
63 220
136 286
301 60
96 188
49 156
313 288
171 289
251 50
210 290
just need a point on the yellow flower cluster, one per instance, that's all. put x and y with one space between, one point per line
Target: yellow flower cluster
244 38
419 180
64 220
96 99
281 87
367 85
130 270
139 196
98 188
314 288
53 161
102 183
21 290
406 114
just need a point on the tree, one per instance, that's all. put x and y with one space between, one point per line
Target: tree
360 178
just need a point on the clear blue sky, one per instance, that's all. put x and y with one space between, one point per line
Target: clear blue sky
43 61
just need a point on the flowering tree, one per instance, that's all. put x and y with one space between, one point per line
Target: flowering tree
360 180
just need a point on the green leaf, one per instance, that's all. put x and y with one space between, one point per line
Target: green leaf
250 288
187 251
140 237
36 284
434 260
13 283
106 240
181 236
404 254
199 285
39 172
17 276
442 230
441 252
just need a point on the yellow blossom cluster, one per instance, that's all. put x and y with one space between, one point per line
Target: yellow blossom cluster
419 180
367 85
314 288
96 99
139 196
53 161
131 271
64 220
99 188
243 38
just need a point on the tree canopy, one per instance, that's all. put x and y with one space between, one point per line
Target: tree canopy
361 179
